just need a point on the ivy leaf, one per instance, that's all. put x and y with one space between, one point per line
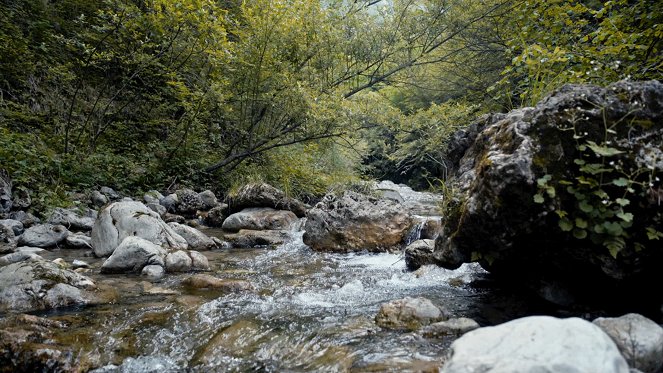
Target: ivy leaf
579 233
581 223
622 201
628 217
538 198
603 150
565 225
585 207
622 182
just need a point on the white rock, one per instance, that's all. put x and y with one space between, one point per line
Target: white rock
199 261
79 264
178 261
44 235
18 256
536 344
153 272
132 255
196 239
78 241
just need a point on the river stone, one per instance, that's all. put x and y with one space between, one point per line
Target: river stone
5 192
202 281
111 194
7 239
44 235
153 272
639 339
26 218
208 200
453 326
132 255
78 241
431 229
79 264
63 295
74 219
152 196
21 200
221 244
260 218
98 199
199 261
419 253
189 202
169 202
28 249
178 261
24 286
173 218
356 222
15 225
120 220
536 344
157 208
265 195
215 216
409 313
19 256
247 238
196 239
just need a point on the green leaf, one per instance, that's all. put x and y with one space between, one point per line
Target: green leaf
579 162
581 223
565 224
538 198
585 207
603 150
613 228
622 201
625 216
622 182
579 233
653 234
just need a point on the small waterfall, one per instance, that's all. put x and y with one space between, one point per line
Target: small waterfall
415 232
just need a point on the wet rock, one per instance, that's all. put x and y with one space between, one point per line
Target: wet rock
79 264
152 196
409 313
153 272
537 343
172 218
178 261
260 218
44 235
415 203
208 200
7 239
246 238
111 194
61 262
18 257
639 339
74 219
216 216
453 326
5 192
120 220
419 253
169 202
78 241
431 229
132 255
22 200
24 286
354 222
189 203
26 218
199 261
28 249
98 199
157 208
492 216
202 281
196 239
265 195
220 244
15 225
143 364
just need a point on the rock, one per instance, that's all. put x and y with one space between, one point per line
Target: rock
61 262
152 196
110 193
208 200
220 244
25 286
74 219
196 239
492 217
5 192
7 239
216 216
453 326
639 339
169 202
260 218
419 253
157 208
153 272
249 238
201 281
18 257
98 199
265 195
15 225
26 218
172 218
189 203
22 200
354 222
199 261
120 220
431 229
409 313
132 255
28 249
536 344
178 261
44 235
78 241
79 264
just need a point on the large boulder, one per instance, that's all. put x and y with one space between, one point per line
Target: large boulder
264 195
196 239
26 218
355 222
208 200
15 225
215 216
44 235
260 218
38 285
132 255
248 238
74 219
536 344
120 220
189 202
639 339
563 197
7 239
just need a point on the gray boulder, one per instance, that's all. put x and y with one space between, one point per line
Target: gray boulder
19 256
639 339
157 208
169 202
208 200
265 195
153 272
152 196
178 261
22 200
44 235
78 241
536 344
409 313
120 220
111 194
260 218
453 326
98 199
246 238
74 219
199 261
5 192
26 218
215 216
132 255
32 285
189 202
419 253
15 225
196 239
354 222
7 239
